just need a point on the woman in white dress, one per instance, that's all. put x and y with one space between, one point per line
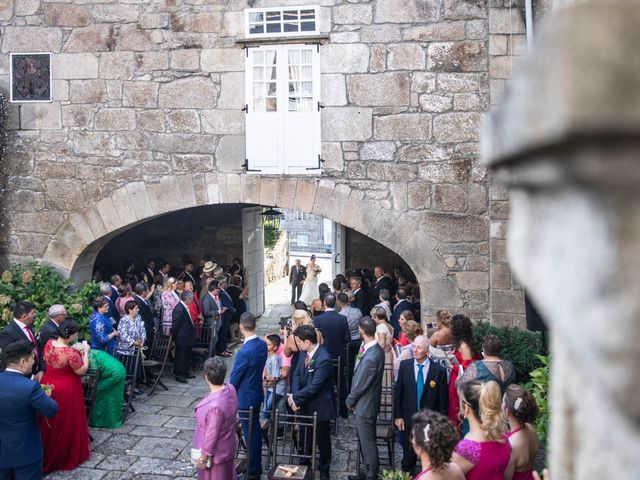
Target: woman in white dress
310 286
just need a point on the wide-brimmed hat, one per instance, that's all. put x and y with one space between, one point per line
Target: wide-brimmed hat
209 267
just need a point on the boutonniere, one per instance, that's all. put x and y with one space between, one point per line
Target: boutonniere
308 363
432 384
359 356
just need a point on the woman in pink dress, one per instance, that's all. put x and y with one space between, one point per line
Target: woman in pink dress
521 411
433 438
216 425
169 301
484 453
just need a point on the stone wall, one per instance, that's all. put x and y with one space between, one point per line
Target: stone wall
276 262
146 120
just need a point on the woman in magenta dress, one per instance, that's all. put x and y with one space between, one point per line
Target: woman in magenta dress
215 434
433 438
465 354
65 437
521 411
484 453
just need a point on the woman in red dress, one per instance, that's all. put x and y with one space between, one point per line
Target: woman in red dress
65 437
465 354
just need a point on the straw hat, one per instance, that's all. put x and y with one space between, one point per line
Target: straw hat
209 267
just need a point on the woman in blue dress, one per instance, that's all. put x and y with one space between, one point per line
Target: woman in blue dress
103 335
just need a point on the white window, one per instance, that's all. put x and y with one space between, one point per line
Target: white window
303 240
301 215
279 21
283 109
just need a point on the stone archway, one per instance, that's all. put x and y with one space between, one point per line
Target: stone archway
74 248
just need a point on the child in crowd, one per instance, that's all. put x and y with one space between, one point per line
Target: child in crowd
275 375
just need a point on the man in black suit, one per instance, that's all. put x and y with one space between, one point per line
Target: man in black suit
380 283
401 305
57 315
421 384
227 312
312 388
361 298
296 279
336 336
21 328
364 398
116 281
183 331
187 274
145 312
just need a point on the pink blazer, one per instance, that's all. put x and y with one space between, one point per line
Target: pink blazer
216 425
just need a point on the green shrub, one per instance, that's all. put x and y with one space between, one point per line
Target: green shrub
520 346
394 475
43 286
539 388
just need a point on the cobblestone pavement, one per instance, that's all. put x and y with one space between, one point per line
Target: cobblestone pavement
155 442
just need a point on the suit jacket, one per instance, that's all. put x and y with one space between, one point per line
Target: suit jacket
235 292
13 333
146 314
297 274
216 425
366 387
335 332
182 327
113 313
435 395
48 331
400 307
210 310
246 375
227 301
362 301
383 283
21 399
313 387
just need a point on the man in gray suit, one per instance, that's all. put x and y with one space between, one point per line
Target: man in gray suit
364 399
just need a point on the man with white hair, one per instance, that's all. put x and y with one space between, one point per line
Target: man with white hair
57 315
105 291
421 384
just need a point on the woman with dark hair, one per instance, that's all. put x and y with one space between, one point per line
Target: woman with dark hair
491 367
521 411
125 295
433 438
65 437
215 436
463 356
484 453
405 316
103 335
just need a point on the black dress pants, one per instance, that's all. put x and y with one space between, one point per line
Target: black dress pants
181 362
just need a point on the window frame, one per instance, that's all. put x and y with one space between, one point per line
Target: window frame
282 33
13 54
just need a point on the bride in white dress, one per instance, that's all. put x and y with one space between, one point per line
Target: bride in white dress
310 287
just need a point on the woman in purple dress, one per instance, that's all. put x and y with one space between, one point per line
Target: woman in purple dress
484 453
215 435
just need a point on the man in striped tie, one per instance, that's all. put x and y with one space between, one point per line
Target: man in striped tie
21 328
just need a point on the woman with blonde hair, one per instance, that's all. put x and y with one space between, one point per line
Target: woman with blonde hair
384 337
291 346
484 453
169 301
442 337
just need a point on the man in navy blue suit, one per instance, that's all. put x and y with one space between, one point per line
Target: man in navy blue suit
21 399
312 389
246 377
402 305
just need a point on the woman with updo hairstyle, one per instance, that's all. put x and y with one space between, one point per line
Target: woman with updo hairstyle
442 337
291 346
484 453
463 356
521 411
492 366
433 438
65 436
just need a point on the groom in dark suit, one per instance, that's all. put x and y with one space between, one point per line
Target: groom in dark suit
21 399
312 388
296 279
421 384
364 399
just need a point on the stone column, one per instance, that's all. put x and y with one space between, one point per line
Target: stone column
566 141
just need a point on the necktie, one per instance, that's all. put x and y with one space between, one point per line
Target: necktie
33 340
420 384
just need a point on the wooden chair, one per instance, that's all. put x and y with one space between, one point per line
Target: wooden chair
243 453
205 342
337 377
296 449
90 382
132 365
155 364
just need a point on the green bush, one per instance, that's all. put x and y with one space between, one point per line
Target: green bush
43 286
394 475
539 388
520 346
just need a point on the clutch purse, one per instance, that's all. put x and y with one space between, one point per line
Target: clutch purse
196 453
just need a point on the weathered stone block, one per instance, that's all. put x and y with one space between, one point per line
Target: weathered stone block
406 56
473 280
455 228
31 39
152 120
183 143
140 94
209 22
378 61
435 103
388 33
477 29
65 195
477 198
344 58
117 65
345 37
77 115
334 91
456 127
191 92
41 116
115 13
94 38
346 123
232 91
461 82
353 14
223 122
442 293
151 61
185 59
134 39
48 170
501 67
230 153
154 20
465 9
378 151
383 89
331 153
457 57
185 121
407 11
500 276
222 60
87 91
61 15
418 196
507 301
506 21
437 32
449 198
405 126
115 119
470 101
22 8
382 171
423 82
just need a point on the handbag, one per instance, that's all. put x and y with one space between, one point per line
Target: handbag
196 454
